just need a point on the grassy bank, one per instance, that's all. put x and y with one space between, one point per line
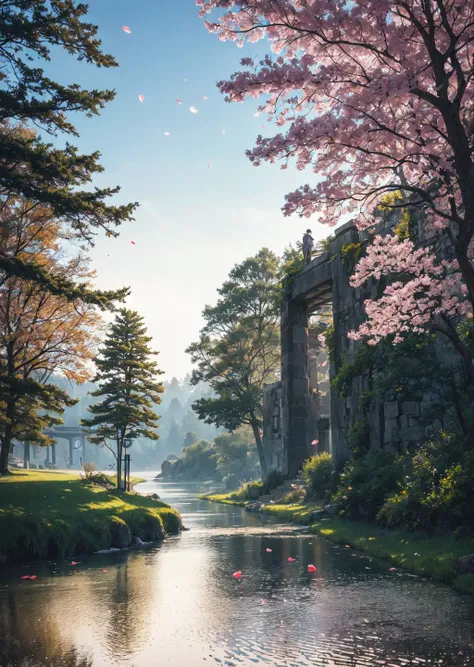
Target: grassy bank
294 513
45 514
433 557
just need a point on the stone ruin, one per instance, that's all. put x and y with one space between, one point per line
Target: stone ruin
300 409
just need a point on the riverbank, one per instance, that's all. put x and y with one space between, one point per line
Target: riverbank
434 557
300 514
46 514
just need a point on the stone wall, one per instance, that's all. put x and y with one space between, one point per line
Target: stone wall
326 280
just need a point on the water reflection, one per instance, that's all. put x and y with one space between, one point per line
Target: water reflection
177 604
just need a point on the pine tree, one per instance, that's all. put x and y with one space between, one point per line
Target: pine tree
128 385
40 172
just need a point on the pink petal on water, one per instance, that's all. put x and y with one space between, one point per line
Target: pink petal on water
269 551
126 29
33 576
193 110
237 575
26 576
311 568
314 442
392 569
291 560
262 601
73 562
104 570
141 98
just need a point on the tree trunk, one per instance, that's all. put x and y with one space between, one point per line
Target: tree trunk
7 436
26 455
260 452
119 463
467 272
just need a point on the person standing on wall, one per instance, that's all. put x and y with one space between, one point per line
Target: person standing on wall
308 245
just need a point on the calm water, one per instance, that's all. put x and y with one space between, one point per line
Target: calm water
177 603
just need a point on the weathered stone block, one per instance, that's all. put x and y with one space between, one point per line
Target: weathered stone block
391 410
413 433
413 421
410 408
391 430
403 421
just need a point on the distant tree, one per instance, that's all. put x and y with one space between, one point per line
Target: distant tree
190 439
42 173
41 334
128 385
173 441
239 346
175 410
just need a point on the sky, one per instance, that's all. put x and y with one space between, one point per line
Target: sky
203 206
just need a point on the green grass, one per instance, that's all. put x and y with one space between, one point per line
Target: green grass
433 557
46 514
295 513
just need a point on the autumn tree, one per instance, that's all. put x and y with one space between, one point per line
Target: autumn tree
41 333
238 349
32 169
377 98
128 386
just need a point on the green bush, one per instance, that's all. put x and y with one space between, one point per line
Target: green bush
366 483
437 493
318 473
294 497
250 490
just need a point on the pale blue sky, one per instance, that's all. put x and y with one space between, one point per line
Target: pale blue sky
194 222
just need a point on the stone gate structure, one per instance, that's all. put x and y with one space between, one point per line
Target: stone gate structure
299 419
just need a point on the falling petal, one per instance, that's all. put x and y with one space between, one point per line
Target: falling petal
348 546
74 562
208 165
262 126
133 242
311 568
33 576
314 442
256 115
291 560
126 29
167 134
193 110
204 97
269 551
237 575
141 98
27 576
392 569
324 364
179 101
262 601
185 80
223 131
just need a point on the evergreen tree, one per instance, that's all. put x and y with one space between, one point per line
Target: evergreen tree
239 347
30 168
173 441
128 385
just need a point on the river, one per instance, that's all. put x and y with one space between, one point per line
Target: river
177 603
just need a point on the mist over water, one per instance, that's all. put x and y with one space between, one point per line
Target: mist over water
177 604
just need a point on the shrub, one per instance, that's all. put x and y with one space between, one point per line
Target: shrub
317 473
366 483
438 491
294 497
250 490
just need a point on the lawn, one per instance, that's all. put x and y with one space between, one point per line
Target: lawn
430 556
46 514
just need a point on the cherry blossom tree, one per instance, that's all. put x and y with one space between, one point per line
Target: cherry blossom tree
375 96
